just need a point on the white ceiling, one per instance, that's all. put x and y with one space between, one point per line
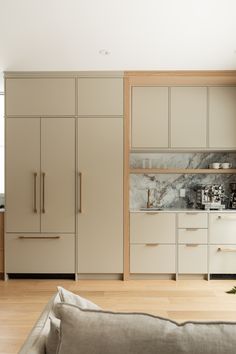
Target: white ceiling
140 34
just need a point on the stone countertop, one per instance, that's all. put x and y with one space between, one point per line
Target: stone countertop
173 210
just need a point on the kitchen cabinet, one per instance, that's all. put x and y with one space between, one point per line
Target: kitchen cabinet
152 258
222 259
192 258
149 117
192 220
188 126
222 117
100 195
152 237
40 253
222 228
192 243
22 174
100 96
222 239
152 227
40 175
41 96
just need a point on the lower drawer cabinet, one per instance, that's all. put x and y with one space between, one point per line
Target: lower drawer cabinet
222 259
192 259
152 258
40 253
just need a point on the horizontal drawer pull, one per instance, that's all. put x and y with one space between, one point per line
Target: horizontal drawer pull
226 217
192 245
38 237
152 212
191 213
152 244
226 249
191 229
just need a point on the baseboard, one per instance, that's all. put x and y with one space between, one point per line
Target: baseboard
152 276
222 276
99 276
40 276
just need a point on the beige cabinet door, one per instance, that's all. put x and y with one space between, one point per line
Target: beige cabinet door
192 258
40 96
152 227
149 125
22 174
152 258
222 117
188 117
40 253
222 259
58 175
100 96
100 222
222 228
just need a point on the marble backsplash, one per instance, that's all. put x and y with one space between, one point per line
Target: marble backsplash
168 186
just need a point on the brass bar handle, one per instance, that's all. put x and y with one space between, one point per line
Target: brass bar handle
35 192
43 192
226 217
192 245
80 192
191 229
226 249
192 213
152 212
39 237
152 244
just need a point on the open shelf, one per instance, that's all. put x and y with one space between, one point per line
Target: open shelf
181 170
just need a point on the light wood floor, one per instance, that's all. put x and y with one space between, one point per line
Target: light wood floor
21 301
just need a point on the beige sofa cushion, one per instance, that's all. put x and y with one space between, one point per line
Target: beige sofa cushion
104 332
71 298
67 296
35 342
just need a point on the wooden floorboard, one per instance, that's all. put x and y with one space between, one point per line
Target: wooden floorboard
21 301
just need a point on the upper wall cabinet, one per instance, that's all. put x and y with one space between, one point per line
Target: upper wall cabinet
222 117
40 96
188 117
100 97
149 123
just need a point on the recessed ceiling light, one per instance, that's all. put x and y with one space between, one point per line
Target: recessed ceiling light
104 52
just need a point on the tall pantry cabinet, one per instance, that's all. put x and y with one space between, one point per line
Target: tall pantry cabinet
100 166
64 173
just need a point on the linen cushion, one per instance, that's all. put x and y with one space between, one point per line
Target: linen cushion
71 298
52 339
35 342
104 332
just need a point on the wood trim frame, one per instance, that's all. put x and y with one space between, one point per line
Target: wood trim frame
127 100
158 78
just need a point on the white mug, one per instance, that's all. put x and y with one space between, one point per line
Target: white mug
226 165
215 165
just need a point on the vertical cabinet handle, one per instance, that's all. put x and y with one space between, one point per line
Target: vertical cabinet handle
35 192
43 192
80 192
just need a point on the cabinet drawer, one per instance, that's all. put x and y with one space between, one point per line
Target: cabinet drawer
223 259
40 253
152 258
192 235
152 227
192 258
194 220
222 228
